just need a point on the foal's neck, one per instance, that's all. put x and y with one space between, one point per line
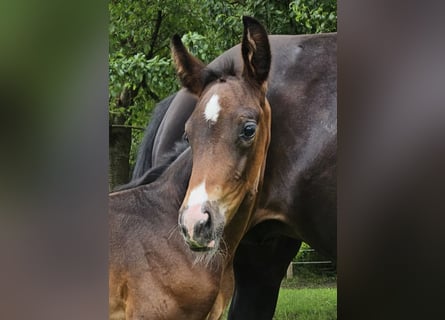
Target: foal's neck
174 181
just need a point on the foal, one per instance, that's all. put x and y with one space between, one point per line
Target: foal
153 274
229 134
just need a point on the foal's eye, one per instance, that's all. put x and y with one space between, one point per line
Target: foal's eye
185 137
249 130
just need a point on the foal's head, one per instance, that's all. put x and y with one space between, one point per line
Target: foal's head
229 133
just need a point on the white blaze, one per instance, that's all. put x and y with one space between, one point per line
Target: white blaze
198 195
211 112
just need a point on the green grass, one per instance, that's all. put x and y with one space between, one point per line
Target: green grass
307 304
307 297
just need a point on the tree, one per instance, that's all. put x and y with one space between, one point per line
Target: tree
314 16
138 58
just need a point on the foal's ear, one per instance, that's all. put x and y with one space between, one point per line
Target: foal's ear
255 49
188 68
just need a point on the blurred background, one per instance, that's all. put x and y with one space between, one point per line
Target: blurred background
56 108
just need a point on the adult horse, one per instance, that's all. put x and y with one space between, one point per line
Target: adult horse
231 122
298 199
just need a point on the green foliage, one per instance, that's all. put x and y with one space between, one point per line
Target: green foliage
303 254
128 72
315 16
139 61
309 272
199 46
275 15
306 253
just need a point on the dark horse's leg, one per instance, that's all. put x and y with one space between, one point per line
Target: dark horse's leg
259 269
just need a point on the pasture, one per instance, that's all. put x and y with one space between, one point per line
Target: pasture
307 299
307 304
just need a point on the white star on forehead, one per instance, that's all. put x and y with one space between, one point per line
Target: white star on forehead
212 109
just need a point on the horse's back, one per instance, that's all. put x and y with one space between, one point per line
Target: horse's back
144 157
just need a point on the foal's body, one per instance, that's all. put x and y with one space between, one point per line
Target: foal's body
153 274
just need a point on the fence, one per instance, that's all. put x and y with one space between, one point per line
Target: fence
327 264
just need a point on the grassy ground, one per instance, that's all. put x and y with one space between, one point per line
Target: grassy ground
307 297
307 304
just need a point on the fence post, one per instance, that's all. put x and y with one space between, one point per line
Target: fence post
290 271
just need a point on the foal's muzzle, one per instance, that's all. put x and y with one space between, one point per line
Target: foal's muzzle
202 226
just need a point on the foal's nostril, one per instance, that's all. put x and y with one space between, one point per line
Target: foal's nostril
203 225
197 226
